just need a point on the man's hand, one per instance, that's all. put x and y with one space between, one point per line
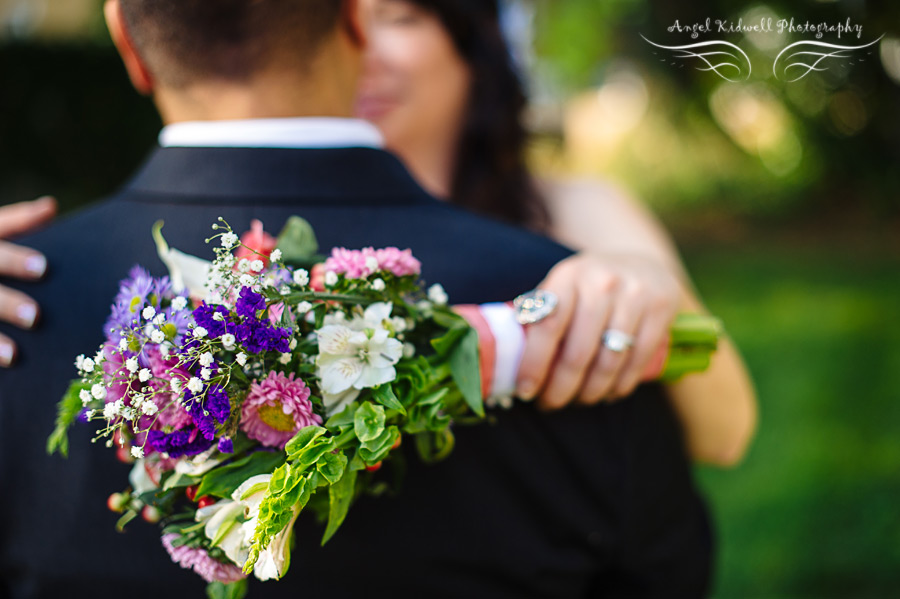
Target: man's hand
20 263
564 358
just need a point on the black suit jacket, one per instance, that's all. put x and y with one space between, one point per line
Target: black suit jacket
584 502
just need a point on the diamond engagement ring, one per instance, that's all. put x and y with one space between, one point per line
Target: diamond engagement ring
617 341
534 306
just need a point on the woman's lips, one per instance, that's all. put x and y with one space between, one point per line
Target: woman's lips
373 107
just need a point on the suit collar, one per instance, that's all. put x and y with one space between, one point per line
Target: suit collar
224 175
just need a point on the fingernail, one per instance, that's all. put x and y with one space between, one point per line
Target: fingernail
6 354
527 390
36 265
27 314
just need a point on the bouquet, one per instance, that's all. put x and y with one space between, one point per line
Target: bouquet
269 381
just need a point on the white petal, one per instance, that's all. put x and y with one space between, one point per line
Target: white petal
335 403
340 374
375 313
335 340
372 377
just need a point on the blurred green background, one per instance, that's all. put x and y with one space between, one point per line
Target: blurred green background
783 197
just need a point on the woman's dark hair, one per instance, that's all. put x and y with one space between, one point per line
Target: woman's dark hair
491 175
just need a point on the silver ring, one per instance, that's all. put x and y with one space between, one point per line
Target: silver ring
535 306
617 341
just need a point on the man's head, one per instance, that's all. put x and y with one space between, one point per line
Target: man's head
176 47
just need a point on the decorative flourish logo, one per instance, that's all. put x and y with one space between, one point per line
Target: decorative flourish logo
812 59
723 61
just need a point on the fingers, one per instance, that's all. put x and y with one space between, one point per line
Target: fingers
653 331
17 308
542 339
26 216
605 372
7 351
579 348
20 262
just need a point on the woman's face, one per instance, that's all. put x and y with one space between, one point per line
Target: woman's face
415 85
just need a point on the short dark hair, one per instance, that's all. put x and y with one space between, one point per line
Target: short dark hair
185 40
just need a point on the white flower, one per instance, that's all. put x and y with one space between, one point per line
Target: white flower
409 350
79 362
137 400
218 317
99 357
149 408
159 319
140 480
137 452
205 374
229 240
331 278
301 277
247 280
123 344
293 344
398 324
285 358
87 365
85 397
195 385
241 359
149 312
98 391
132 365
110 411
350 358
228 341
175 385
200 333
157 336
437 294
336 402
304 307
378 285
144 375
372 263
275 256
179 303
164 350
206 359
257 265
284 290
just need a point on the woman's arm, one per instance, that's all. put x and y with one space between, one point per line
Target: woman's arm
717 407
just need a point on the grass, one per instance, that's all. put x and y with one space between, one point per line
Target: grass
814 510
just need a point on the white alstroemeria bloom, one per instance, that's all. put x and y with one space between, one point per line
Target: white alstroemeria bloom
336 402
140 480
275 559
349 358
187 273
199 464
223 528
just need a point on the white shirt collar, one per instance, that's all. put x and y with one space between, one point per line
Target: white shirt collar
305 132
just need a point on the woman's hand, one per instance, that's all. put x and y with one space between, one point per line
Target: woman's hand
564 358
20 263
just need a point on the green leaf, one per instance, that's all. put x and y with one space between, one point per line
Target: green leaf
67 412
434 447
368 421
442 345
340 495
384 395
235 590
377 449
297 241
344 418
464 366
179 480
448 319
222 481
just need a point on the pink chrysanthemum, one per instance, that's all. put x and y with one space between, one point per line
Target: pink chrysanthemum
276 409
356 264
210 569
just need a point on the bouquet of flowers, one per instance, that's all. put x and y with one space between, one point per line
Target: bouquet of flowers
266 382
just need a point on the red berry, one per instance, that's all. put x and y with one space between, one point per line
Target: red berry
205 501
191 492
117 502
397 443
374 467
151 514
123 454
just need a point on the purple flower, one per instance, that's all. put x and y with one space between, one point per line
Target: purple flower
184 442
249 303
204 316
226 445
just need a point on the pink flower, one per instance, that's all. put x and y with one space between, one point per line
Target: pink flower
210 569
357 264
276 409
257 244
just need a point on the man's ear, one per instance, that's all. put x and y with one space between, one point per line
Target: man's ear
137 70
355 20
